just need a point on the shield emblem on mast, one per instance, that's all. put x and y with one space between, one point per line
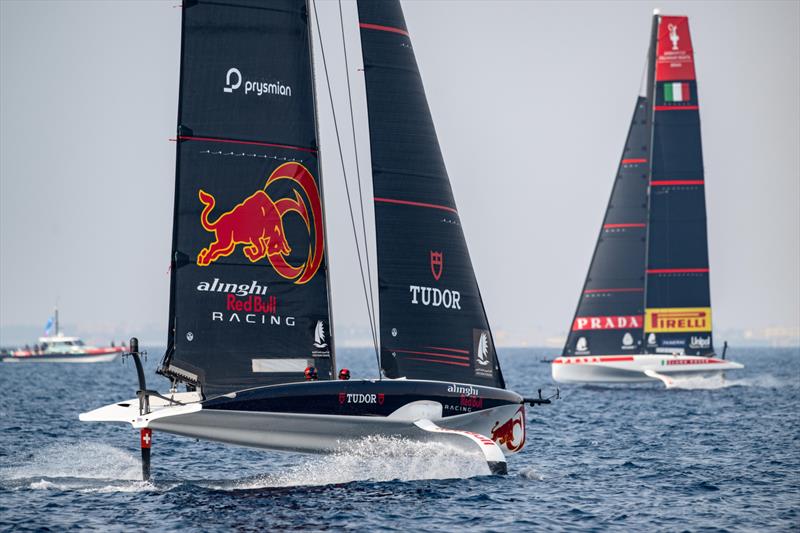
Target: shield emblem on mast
437 263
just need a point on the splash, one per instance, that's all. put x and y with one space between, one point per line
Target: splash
86 461
375 459
719 381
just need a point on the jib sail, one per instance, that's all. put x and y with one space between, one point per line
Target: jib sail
249 299
678 303
433 324
609 318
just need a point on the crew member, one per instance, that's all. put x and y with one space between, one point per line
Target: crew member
311 373
344 374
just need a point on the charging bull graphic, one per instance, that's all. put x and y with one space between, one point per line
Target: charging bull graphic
503 434
257 223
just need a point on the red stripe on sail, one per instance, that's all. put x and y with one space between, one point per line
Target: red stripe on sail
676 107
448 349
255 143
436 361
383 28
677 270
435 354
633 161
685 95
630 225
417 204
633 289
676 182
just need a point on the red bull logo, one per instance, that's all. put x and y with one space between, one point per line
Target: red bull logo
503 434
257 224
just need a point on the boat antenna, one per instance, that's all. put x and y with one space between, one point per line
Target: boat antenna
347 190
55 312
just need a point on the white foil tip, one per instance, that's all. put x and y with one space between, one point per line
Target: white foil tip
656 11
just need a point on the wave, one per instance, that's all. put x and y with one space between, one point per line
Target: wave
373 459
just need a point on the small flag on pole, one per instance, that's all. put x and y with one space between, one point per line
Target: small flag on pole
49 326
676 92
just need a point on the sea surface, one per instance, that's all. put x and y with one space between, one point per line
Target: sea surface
713 456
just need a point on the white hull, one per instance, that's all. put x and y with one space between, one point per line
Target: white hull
637 368
494 432
101 358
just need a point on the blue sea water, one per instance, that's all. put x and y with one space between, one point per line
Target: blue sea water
713 456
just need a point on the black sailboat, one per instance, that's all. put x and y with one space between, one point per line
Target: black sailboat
250 307
645 309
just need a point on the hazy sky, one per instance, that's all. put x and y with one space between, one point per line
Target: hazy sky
88 102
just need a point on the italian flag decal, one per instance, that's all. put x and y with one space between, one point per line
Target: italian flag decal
676 92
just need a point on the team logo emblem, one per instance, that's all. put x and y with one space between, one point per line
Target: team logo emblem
437 264
381 397
582 345
342 397
651 339
483 350
257 224
627 339
504 434
673 35
319 335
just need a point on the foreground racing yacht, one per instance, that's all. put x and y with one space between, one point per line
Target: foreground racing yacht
250 297
645 310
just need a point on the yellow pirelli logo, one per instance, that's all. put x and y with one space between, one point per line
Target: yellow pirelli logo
677 319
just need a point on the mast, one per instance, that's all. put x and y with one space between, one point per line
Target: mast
432 321
677 298
315 104
249 271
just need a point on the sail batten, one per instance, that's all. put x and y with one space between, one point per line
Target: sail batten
249 296
432 321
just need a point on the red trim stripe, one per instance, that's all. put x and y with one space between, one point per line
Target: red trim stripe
633 161
232 141
448 349
676 182
435 354
417 204
383 28
631 225
633 289
676 107
436 361
677 270
593 359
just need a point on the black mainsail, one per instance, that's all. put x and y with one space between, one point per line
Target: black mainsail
432 321
678 301
609 318
249 296
647 288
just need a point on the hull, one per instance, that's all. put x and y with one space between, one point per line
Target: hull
320 417
105 357
637 368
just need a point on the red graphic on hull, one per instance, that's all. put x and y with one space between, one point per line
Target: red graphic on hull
503 434
257 223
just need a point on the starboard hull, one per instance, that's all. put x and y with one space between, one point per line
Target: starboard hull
324 416
637 368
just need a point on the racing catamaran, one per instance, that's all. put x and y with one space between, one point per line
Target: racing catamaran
645 309
250 297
